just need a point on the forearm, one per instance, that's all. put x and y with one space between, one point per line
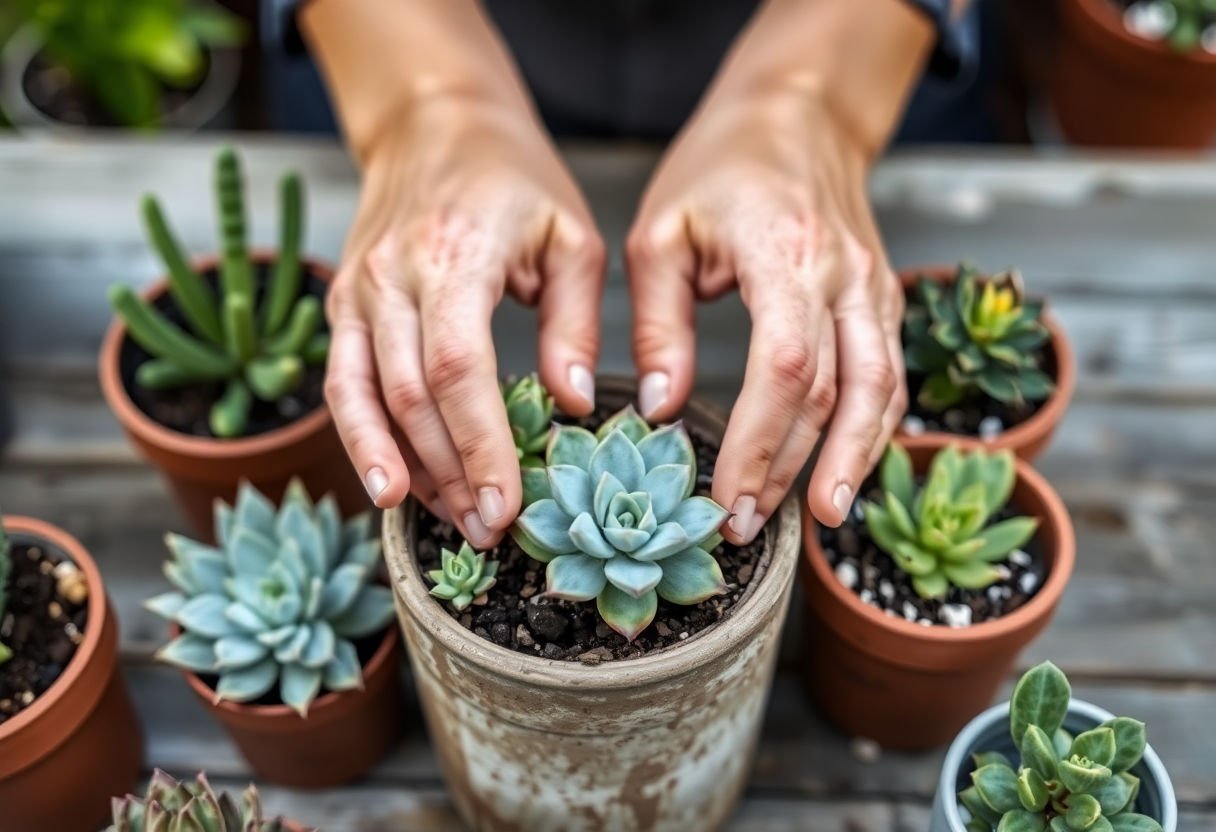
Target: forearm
381 58
860 58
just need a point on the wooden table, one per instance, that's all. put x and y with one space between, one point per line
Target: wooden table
1125 249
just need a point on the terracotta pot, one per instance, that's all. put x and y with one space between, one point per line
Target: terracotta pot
1030 438
905 685
662 742
62 758
201 469
344 735
990 732
1113 88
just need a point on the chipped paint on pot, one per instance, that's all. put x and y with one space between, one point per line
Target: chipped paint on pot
663 742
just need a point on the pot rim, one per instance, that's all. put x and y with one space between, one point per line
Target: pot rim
214 91
148 430
1038 607
961 745
1042 421
98 608
322 708
774 570
1099 14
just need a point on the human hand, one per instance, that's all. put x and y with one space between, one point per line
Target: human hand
766 192
462 200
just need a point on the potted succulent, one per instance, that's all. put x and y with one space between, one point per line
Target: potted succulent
919 603
216 372
983 361
67 725
170 804
283 634
606 665
1078 768
1136 73
145 64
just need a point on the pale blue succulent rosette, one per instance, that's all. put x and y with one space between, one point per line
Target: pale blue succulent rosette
614 516
281 600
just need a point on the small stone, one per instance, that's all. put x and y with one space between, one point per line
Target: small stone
26 697
523 637
993 593
1150 19
990 427
955 615
54 609
913 425
662 629
290 407
846 573
1028 582
500 633
547 622
1019 558
73 632
527 591
865 750
466 621
909 611
890 613
846 539
866 596
924 622
955 420
870 575
595 655
1003 572
745 573
683 635
552 651
858 511
886 589
602 630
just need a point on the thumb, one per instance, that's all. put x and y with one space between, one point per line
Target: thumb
661 270
570 314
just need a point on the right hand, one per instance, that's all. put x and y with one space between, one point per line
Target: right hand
462 200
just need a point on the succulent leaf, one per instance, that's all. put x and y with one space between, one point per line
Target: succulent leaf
278 602
620 523
172 806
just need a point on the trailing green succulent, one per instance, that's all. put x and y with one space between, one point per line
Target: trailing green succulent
1062 783
616 521
977 334
176 806
6 567
939 533
278 601
529 412
464 578
257 344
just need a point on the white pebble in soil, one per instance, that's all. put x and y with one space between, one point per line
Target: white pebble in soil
846 573
993 593
1027 582
955 615
886 590
990 427
859 512
866 597
1003 572
909 611
913 425
1019 558
1151 19
865 750
1208 39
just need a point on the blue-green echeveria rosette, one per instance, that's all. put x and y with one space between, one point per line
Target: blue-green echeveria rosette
280 600
616 521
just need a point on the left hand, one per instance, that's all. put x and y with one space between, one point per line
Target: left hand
766 192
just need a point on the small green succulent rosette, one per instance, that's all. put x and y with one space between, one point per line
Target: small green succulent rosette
616 521
529 413
1062 783
279 601
170 805
463 577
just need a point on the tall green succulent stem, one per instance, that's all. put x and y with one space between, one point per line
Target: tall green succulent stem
305 318
189 290
284 285
230 414
157 335
236 272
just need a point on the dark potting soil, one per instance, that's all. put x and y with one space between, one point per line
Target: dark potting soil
873 576
43 624
516 617
51 89
365 647
187 409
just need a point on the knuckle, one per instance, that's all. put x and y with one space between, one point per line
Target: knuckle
822 398
338 388
879 377
405 396
450 482
790 359
449 361
475 448
780 482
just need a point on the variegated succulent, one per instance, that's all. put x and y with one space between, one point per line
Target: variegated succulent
278 601
939 533
529 412
6 566
175 806
1062 783
977 334
617 521
464 577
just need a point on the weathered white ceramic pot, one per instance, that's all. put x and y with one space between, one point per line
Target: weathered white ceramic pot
664 742
990 732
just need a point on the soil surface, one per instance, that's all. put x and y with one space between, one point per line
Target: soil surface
516 617
187 409
52 90
873 576
43 624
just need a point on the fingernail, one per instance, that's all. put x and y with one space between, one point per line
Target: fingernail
440 510
842 499
479 534
375 482
490 504
652 393
741 515
583 382
757 524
